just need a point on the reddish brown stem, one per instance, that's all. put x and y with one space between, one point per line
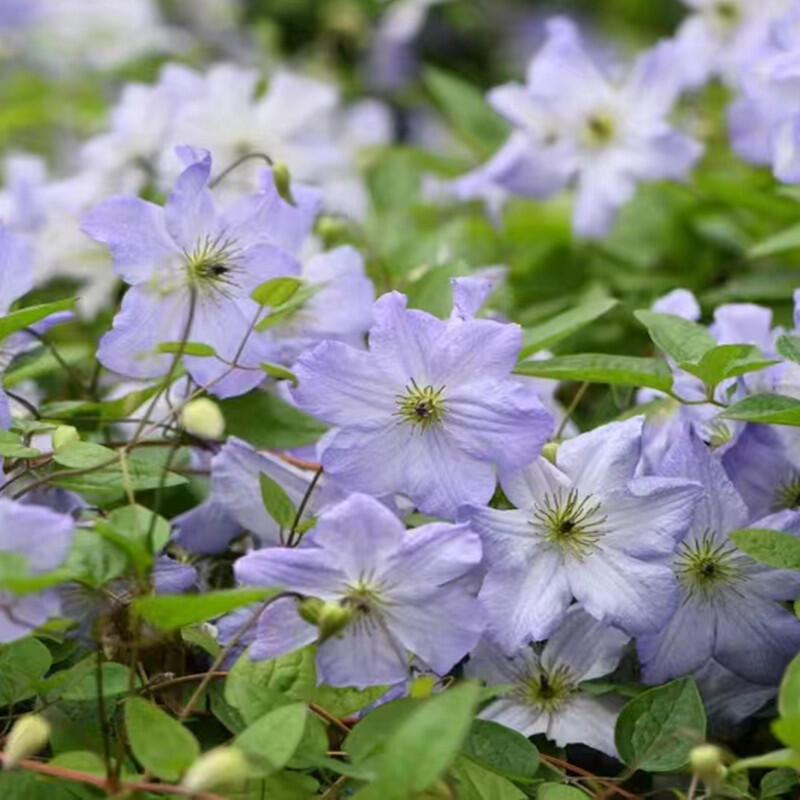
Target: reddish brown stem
102 783
611 787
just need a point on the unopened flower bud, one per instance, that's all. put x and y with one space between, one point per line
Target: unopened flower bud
283 181
422 687
308 608
222 766
705 761
203 418
549 451
64 435
28 736
330 229
332 618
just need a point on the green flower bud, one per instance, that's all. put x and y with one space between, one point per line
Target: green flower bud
549 451
332 618
64 435
330 229
283 181
203 418
28 736
308 608
422 687
705 761
222 766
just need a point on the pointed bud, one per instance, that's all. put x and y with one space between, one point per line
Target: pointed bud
283 182
308 608
549 451
28 736
332 618
222 766
203 418
64 435
706 762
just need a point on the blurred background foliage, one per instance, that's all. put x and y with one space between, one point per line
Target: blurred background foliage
703 235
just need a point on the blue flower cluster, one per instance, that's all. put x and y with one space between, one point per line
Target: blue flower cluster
450 517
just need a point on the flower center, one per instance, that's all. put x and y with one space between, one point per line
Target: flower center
421 406
361 598
787 495
569 522
705 566
598 129
716 433
546 690
212 264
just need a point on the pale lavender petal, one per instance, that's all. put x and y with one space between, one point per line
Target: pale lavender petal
281 630
16 268
305 570
190 214
206 529
145 320
135 232
590 648
504 422
358 392
604 458
469 294
636 596
173 577
363 654
586 720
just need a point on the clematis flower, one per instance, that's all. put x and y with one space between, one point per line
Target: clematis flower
728 608
429 409
584 528
574 123
719 37
400 589
546 695
191 269
20 553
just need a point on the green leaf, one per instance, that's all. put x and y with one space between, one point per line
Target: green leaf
159 742
187 349
279 372
94 560
788 347
777 782
170 612
15 578
774 548
285 310
467 110
777 758
601 368
727 361
25 317
501 749
268 422
80 760
22 664
789 692
374 729
559 327
106 473
769 409
681 339
559 791
12 446
342 702
84 455
423 746
276 501
787 730
275 291
656 730
255 687
271 740
788 239
474 782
